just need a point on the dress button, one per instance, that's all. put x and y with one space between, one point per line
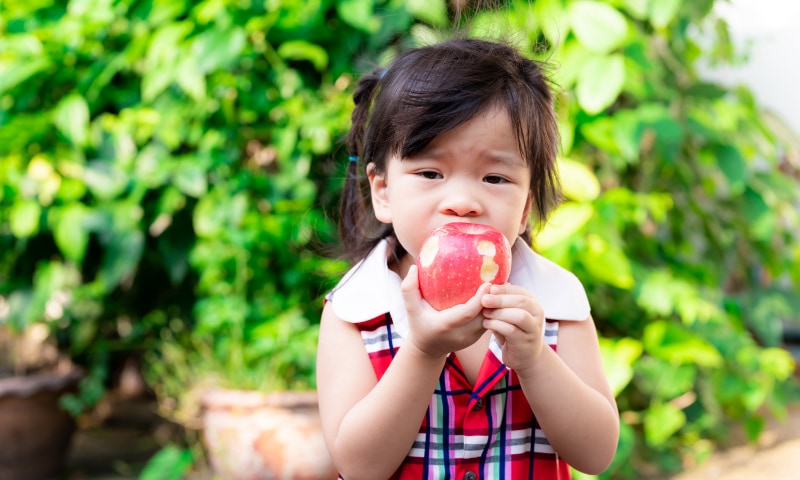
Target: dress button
470 476
478 405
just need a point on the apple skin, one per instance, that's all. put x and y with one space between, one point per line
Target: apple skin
459 257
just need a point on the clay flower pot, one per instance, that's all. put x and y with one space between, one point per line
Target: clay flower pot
255 436
35 433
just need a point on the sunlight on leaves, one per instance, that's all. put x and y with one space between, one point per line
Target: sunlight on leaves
619 356
579 183
564 222
598 26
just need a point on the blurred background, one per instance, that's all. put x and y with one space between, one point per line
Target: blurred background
169 177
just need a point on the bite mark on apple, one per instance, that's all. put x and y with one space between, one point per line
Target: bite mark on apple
486 248
429 250
489 269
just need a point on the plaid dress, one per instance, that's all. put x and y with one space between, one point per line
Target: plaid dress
485 432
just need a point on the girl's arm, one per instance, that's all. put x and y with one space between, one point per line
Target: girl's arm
369 425
570 395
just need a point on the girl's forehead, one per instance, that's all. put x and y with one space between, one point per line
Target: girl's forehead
491 129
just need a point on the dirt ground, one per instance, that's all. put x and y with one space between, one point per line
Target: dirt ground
775 457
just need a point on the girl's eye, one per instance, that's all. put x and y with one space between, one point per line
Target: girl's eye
430 174
494 179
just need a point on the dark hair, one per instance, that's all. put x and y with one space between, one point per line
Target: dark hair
433 89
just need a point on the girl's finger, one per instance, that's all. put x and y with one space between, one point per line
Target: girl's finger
514 317
500 328
509 288
513 301
410 290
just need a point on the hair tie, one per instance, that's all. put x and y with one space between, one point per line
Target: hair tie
353 158
383 73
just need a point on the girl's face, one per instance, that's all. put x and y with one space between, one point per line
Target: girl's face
473 173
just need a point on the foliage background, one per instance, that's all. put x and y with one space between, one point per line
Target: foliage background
169 171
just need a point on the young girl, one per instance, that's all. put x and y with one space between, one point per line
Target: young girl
508 385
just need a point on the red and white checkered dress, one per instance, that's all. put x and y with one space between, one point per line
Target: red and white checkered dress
486 431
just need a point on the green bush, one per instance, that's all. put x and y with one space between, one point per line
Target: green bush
163 169
167 183
681 219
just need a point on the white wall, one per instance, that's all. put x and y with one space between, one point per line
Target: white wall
769 32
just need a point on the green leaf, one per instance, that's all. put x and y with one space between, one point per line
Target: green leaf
657 292
637 8
216 211
217 49
105 180
600 82
121 258
600 132
579 183
668 136
662 293
191 79
663 380
567 219
208 217
570 58
778 362
101 81
662 12
302 50
598 26
754 398
70 233
607 262
13 73
162 11
733 166
50 278
758 215
21 130
163 54
24 218
219 312
566 133
169 463
359 14
675 344
753 426
190 178
619 357
628 443
553 20
155 81
431 11
709 91
71 117
171 201
661 421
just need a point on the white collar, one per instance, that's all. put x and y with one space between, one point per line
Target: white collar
370 288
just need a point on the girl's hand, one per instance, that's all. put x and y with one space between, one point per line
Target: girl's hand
437 333
517 321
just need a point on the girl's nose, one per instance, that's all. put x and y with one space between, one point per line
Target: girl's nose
461 203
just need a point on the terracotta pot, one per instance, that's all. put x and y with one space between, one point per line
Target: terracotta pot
35 433
254 436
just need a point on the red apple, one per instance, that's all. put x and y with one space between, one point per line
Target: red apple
457 258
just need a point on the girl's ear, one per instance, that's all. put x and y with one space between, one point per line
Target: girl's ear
525 221
379 194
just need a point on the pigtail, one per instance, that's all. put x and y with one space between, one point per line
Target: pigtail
354 209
